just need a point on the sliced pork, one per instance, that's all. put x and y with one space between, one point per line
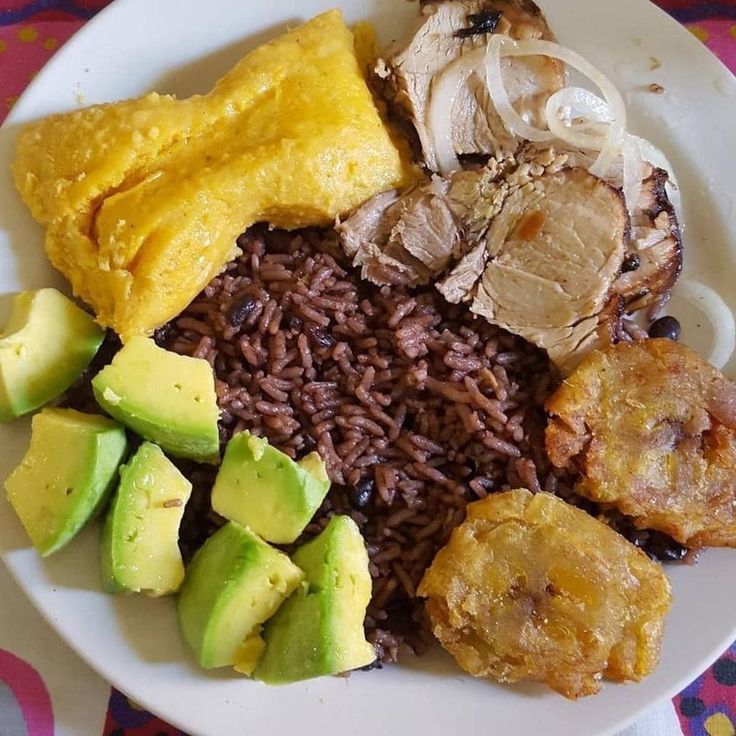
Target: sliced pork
413 70
408 239
654 251
554 252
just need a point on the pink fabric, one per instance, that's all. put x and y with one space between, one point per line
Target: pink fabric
30 693
24 50
720 37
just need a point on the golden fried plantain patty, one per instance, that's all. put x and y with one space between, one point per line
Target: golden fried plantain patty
531 588
652 428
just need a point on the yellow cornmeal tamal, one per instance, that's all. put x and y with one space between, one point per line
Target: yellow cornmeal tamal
143 199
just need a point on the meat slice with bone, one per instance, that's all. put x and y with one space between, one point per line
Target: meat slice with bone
533 241
441 67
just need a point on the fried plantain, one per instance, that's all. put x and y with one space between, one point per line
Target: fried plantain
652 429
531 588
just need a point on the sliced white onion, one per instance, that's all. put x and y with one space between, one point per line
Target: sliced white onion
442 98
499 46
633 167
613 98
589 134
656 157
719 314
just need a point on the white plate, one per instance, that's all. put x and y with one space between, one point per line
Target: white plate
182 46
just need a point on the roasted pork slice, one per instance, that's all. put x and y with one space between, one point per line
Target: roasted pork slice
654 250
651 427
554 252
414 68
408 239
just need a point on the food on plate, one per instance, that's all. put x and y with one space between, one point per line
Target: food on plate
140 542
531 588
143 199
168 399
45 346
262 488
651 427
378 377
319 630
437 73
66 475
536 247
654 252
511 234
415 405
232 586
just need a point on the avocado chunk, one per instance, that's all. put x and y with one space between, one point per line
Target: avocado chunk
233 584
66 476
140 542
262 488
166 398
45 346
319 630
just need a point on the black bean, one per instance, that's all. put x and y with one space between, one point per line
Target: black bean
667 327
663 548
361 494
322 338
162 334
308 443
292 322
631 263
484 22
241 310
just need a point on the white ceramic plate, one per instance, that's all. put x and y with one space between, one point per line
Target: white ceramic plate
182 46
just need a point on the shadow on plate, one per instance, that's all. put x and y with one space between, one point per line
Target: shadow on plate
198 77
76 565
438 663
149 626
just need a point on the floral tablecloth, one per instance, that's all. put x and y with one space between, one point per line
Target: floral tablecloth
44 689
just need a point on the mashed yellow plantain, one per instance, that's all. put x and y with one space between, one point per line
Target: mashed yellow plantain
143 199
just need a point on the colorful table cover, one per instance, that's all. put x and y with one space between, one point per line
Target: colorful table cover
45 690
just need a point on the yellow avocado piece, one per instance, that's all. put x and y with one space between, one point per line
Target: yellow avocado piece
143 199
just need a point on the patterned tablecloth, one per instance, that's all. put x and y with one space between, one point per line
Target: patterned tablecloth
44 688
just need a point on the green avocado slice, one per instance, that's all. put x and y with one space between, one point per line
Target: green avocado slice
319 630
262 488
45 346
140 542
66 476
233 584
166 398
